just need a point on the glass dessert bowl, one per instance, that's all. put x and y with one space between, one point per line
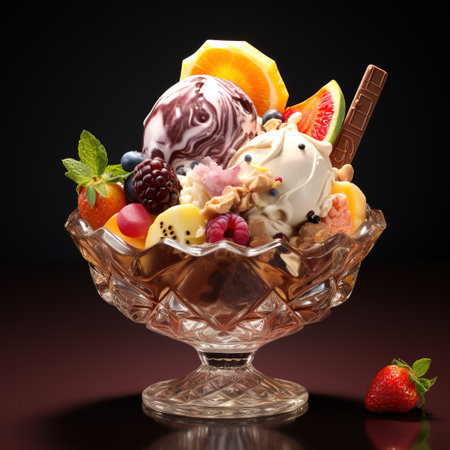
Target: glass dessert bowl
226 301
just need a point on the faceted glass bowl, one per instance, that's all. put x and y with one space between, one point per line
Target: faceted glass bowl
226 301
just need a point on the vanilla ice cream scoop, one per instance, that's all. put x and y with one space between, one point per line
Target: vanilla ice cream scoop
303 166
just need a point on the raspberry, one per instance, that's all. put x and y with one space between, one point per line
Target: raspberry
156 185
230 227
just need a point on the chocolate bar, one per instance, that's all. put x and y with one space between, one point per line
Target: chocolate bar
358 116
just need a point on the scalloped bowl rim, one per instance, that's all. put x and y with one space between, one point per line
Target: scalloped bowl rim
208 248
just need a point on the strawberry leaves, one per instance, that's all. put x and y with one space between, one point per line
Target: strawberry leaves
416 372
92 170
421 366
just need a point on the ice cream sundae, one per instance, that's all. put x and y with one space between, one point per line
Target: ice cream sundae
236 223
207 144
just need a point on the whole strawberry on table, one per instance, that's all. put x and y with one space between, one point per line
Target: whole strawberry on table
397 387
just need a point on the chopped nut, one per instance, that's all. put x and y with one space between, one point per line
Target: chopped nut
312 233
322 235
256 197
219 205
258 183
345 173
244 203
272 124
256 227
238 199
260 240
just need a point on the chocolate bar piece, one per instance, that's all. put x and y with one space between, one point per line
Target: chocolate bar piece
358 116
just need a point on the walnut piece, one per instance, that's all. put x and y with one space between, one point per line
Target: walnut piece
238 199
272 124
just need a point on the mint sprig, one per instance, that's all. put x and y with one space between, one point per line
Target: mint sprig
92 170
416 372
92 153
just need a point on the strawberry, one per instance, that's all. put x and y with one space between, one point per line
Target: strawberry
397 434
397 387
94 176
104 207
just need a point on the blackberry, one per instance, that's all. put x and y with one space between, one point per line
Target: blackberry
156 185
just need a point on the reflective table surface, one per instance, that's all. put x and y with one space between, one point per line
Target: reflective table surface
73 368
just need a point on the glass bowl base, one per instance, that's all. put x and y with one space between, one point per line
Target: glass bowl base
225 393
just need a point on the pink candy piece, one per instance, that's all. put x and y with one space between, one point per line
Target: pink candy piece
134 220
339 218
215 179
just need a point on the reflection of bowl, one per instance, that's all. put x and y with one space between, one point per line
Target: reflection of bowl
226 301
241 434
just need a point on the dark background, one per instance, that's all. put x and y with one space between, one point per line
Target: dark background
75 66
74 367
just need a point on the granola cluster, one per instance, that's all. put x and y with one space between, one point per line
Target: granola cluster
238 199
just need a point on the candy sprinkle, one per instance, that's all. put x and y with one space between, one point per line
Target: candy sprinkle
259 168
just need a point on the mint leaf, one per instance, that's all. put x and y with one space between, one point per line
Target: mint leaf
116 169
77 171
101 188
115 174
421 366
92 153
90 195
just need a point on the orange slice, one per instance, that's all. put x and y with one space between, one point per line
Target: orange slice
237 61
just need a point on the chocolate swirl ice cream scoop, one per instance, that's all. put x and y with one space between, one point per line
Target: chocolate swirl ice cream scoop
199 116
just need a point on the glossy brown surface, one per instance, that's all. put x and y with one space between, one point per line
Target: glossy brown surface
73 368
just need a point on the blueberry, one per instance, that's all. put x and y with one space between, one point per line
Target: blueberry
272 114
180 170
131 159
129 191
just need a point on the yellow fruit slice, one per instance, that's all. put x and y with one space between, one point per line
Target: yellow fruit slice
112 226
255 73
182 223
356 201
